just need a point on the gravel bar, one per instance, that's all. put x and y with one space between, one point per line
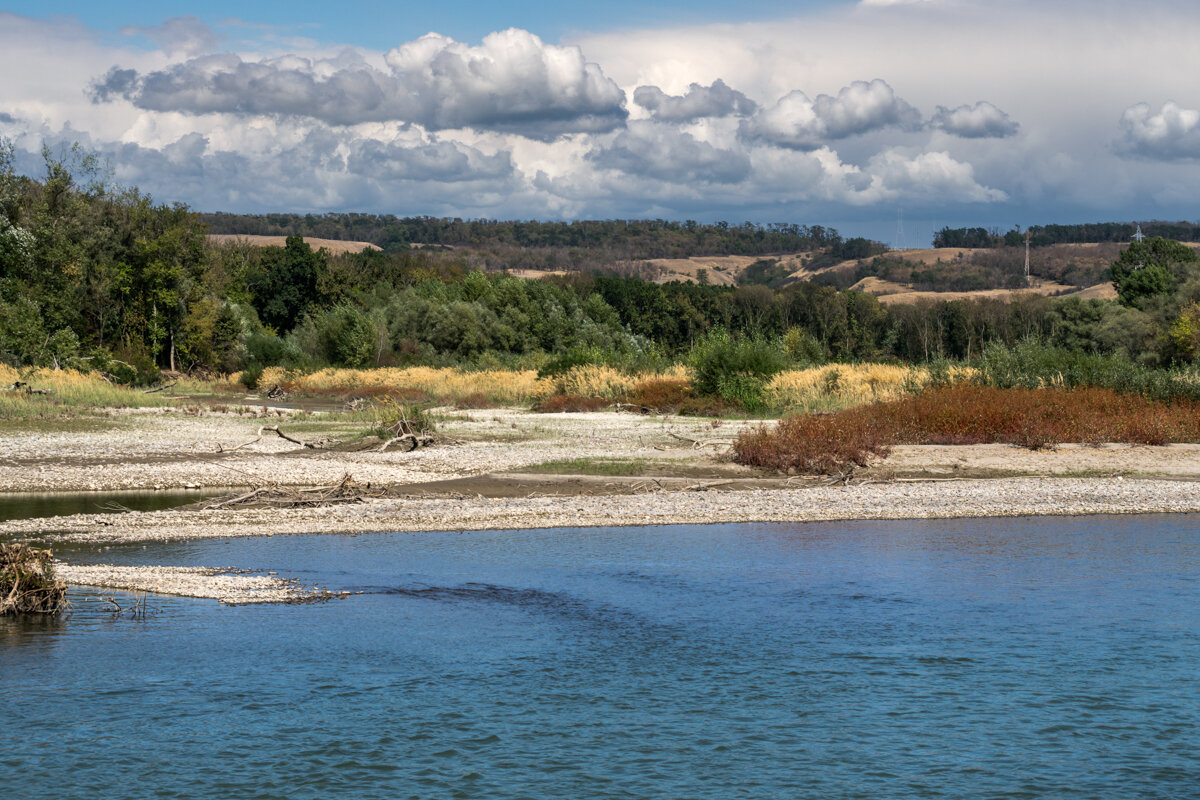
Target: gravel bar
923 500
233 588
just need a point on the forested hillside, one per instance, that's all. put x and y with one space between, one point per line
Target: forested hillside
627 239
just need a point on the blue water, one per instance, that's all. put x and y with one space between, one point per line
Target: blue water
962 659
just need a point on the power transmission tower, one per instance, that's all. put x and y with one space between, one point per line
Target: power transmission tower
1138 236
1027 283
900 243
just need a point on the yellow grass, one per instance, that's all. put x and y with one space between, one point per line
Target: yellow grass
836 386
498 386
609 383
506 387
69 389
827 388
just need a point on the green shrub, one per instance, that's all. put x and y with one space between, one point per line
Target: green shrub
265 349
250 376
803 348
348 336
735 369
575 357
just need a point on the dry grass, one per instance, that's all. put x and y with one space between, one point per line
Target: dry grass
967 414
559 403
334 246
69 391
461 388
502 387
837 386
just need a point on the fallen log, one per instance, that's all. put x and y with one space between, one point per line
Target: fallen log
285 437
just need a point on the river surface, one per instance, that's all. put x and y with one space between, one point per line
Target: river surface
1026 658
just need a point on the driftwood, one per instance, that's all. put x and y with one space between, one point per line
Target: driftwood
320 444
221 449
285 437
161 388
698 444
28 584
277 392
347 490
634 407
413 432
411 439
20 386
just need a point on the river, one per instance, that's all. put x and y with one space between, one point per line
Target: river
1003 658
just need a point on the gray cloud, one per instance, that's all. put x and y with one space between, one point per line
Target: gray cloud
980 121
318 168
669 154
717 100
803 124
186 36
1172 134
436 161
8 118
511 82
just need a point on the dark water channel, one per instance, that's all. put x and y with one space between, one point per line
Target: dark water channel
29 505
1023 658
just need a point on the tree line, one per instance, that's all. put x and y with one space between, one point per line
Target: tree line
93 275
1046 235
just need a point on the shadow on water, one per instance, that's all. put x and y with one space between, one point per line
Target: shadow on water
547 604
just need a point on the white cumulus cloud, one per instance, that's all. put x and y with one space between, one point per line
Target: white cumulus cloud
1173 133
804 124
717 100
980 121
512 81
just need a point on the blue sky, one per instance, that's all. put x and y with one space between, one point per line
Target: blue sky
382 25
949 112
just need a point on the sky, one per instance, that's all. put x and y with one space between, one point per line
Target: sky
883 118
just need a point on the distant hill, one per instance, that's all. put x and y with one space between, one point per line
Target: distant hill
615 239
334 246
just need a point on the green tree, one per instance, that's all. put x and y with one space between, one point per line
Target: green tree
1152 267
284 285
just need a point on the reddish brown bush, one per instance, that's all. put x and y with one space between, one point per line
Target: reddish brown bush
1033 418
559 403
475 400
812 443
675 396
